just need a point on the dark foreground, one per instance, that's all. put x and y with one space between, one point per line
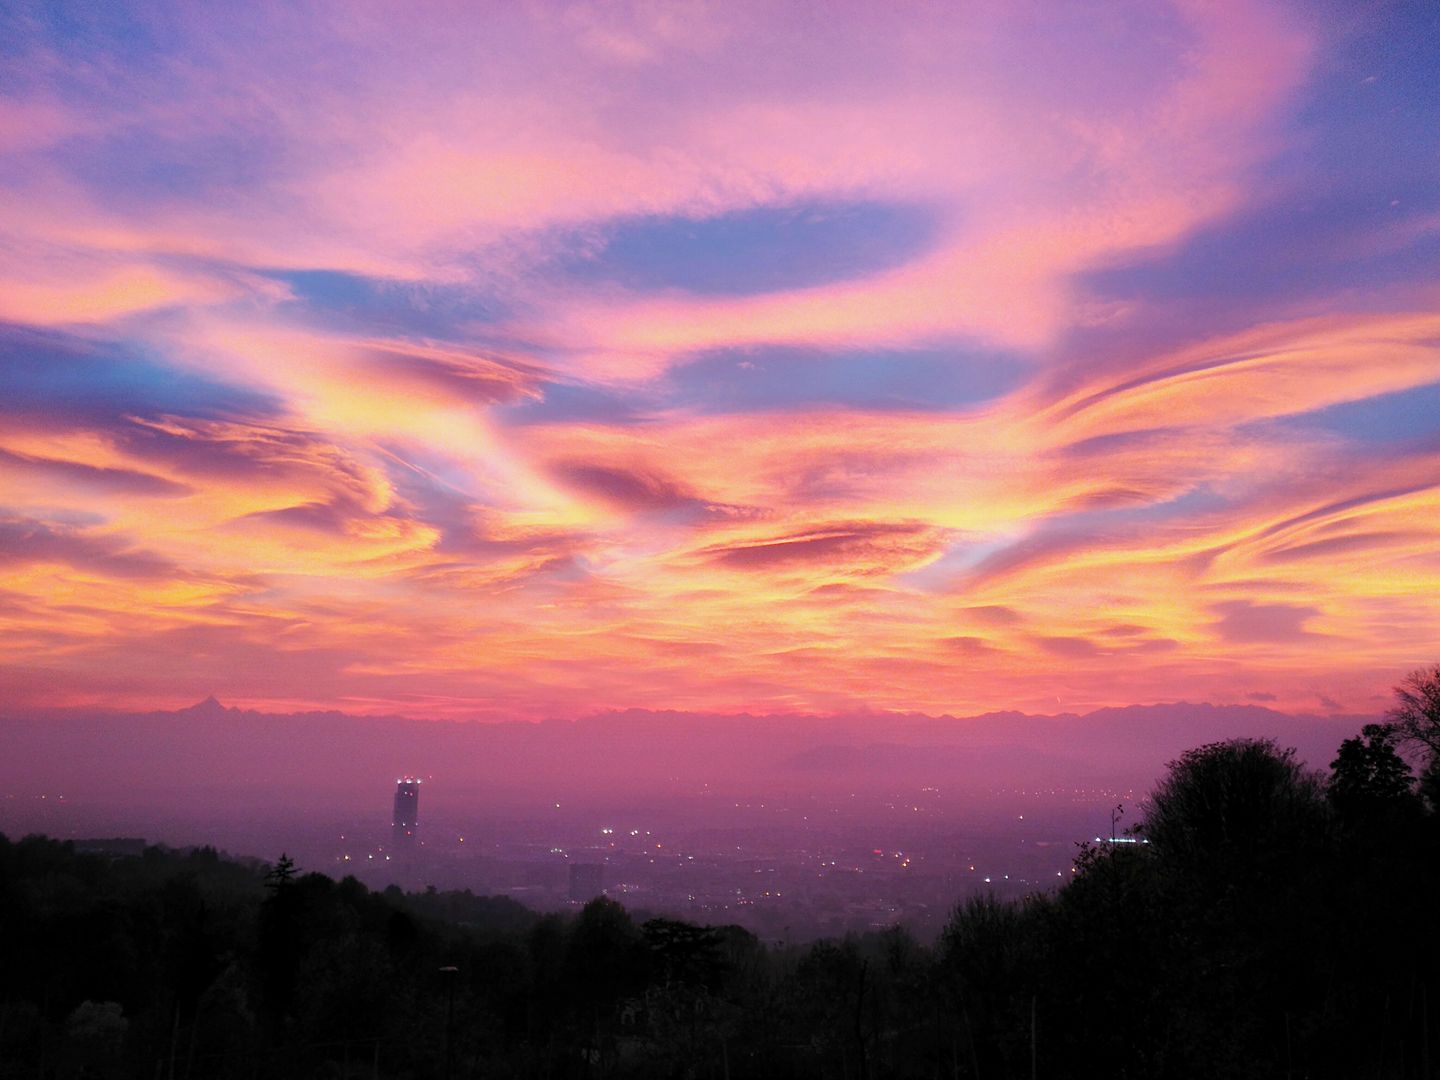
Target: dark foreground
1276 923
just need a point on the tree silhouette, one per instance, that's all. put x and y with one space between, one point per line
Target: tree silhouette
1369 778
1416 719
281 874
279 943
1269 928
1227 809
1416 714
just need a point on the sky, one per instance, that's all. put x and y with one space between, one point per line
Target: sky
532 359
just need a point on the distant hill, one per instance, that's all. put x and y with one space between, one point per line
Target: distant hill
209 753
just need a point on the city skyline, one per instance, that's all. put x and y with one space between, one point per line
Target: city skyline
533 361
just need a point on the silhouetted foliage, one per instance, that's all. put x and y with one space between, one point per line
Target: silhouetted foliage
1416 714
1258 922
1370 783
1416 721
1229 810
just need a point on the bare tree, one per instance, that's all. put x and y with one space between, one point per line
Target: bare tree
1416 714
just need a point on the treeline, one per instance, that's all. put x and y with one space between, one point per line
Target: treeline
1266 921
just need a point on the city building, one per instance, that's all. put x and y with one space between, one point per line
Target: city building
406 817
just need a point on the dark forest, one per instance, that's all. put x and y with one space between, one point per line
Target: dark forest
1261 920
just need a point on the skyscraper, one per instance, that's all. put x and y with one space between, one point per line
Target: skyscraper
407 813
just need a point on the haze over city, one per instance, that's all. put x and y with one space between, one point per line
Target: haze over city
822 825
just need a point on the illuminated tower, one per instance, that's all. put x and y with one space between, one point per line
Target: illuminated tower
407 813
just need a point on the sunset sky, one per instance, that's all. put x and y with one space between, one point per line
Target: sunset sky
531 359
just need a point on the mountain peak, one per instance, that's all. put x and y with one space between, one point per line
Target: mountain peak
209 707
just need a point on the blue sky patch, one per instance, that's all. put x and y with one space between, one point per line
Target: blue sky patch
1288 251
767 249
1403 416
56 376
376 305
1349 196
753 380
135 166
563 402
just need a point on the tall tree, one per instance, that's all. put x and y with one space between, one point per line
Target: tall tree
1368 777
1228 809
1416 714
